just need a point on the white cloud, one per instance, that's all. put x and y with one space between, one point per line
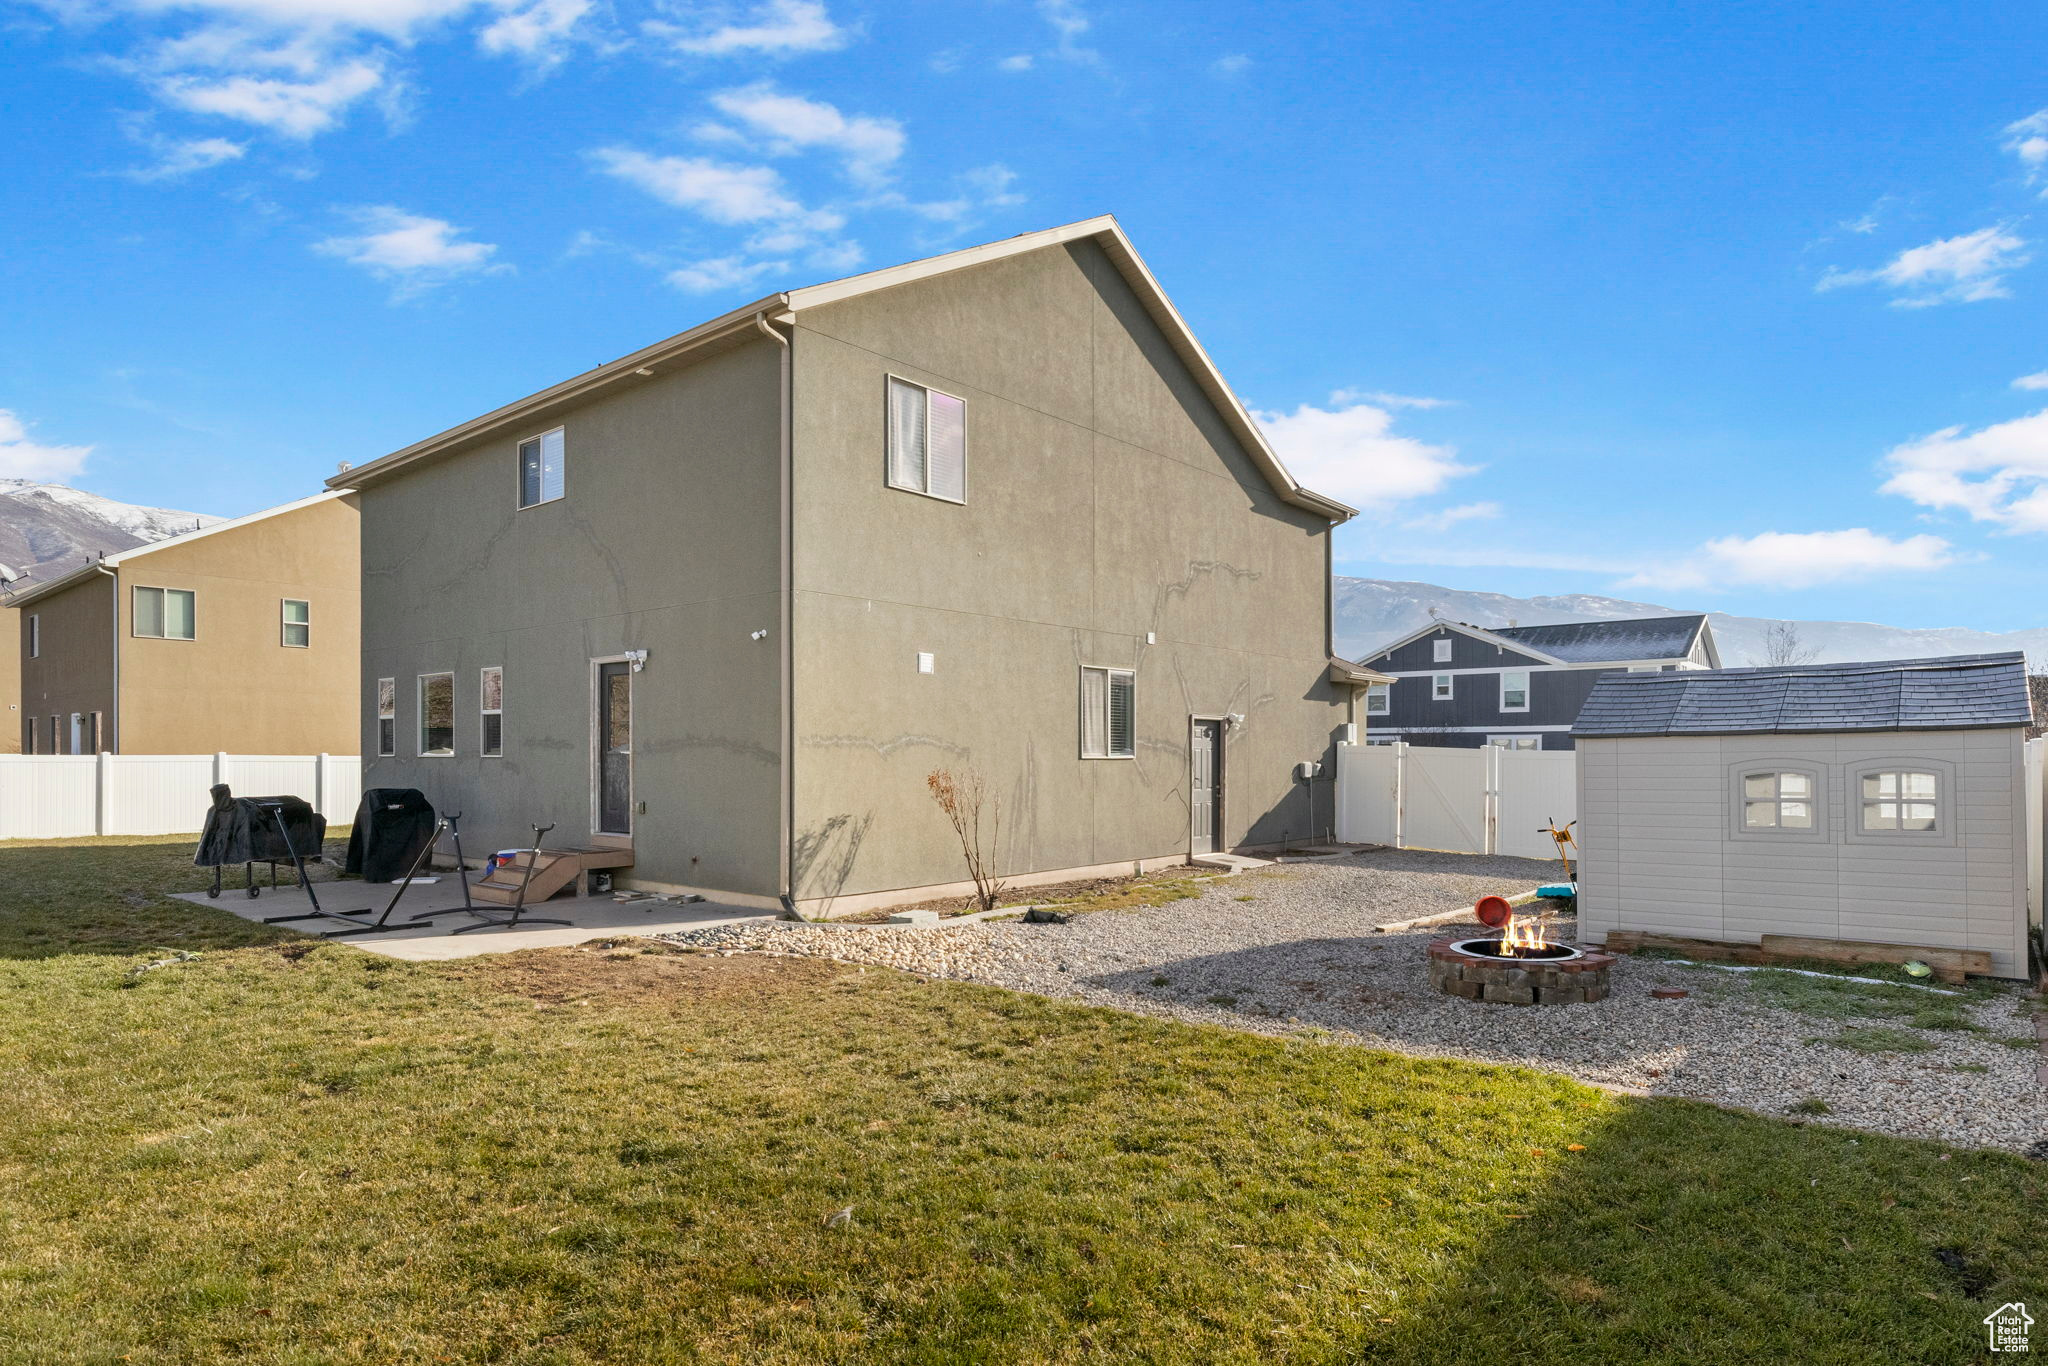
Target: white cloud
1451 516
2037 380
1230 64
1021 61
292 108
1350 452
410 250
1069 25
2027 139
1803 559
777 27
1966 269
1996 474
21 458
724 272
176 158
540 32
721 193
869 147
1387 400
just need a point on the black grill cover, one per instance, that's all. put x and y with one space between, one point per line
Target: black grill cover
392 825
244 830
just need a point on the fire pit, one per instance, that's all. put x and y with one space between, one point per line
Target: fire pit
1519 966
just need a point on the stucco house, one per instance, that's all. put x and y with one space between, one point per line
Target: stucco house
728 600
1879 804
1521 687
240 636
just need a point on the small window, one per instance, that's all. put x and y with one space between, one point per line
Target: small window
28 735
1443 650
1777 801
298 624
35 635
1514 690
927 441
1107 724
56 737
92 732
437 714
1440 688
165 613
1516 741
1376 699
1901 799
542 460
491 696
387 717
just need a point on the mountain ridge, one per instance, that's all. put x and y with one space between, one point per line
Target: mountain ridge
43 527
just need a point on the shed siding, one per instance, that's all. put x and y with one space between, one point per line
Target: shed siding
1655 822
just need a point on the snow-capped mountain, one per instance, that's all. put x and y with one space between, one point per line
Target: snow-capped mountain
53 528
1372 612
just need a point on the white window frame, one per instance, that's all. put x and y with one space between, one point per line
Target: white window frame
1110 676
35 635
420 731
1383 694
163 613
1442 648
541 487
483 713
1527 678
889 455
1442 687
285 623
1816 776
1945 818
386 749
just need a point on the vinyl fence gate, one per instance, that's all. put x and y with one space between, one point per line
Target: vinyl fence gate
1489 800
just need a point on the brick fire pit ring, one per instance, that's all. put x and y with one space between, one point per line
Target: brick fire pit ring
1469 968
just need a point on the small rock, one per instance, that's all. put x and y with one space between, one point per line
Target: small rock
1669 993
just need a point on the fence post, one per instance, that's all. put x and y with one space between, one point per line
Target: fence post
1400 794
320 771
220 768
1490 802
101 771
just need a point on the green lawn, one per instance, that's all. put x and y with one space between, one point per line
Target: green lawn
279 1152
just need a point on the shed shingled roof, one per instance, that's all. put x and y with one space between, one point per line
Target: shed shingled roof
1591 642
1962 692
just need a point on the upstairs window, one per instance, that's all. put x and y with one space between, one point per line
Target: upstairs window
542 461
165 613
298 624
927 441
1514 690
1376 700
35 635
437 714
1777 801
1440 687
491 695
1901 799
1442 646
1108 728
387 717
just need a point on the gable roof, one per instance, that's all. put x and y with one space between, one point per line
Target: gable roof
1589 642
1963 692
740 324
30 591
1463 628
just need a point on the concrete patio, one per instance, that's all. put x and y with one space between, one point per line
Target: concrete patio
588 917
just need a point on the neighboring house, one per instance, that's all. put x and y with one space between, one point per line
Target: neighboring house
1464 686
1880 803
242 636
729 600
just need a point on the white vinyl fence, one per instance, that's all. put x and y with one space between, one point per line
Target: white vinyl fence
55 796
1489 800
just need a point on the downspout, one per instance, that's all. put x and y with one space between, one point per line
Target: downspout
786 684
111 741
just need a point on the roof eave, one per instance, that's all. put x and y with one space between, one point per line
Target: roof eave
37 592
1344 671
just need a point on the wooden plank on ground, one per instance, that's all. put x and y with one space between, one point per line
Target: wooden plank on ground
1949 965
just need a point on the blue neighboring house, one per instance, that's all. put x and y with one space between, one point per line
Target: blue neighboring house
1522 686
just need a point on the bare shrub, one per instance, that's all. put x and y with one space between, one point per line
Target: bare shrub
977 817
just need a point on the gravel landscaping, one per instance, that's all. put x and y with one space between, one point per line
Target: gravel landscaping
1292 949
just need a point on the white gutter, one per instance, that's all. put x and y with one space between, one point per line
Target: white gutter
785 797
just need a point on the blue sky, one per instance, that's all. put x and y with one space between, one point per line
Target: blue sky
1723 306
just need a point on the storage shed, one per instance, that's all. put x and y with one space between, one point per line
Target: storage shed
1883 803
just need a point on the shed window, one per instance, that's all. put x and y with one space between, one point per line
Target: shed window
1900 799
492 706
298 624
1443 651
542 462
1440 688
927 441
1777 801
1376 703
165 613
1107 705
387 717
1514 690
437 714
1516 741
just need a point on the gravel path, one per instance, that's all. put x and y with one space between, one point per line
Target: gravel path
1291 948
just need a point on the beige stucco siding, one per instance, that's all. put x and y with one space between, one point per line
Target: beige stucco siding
665 541
10 681
235 685
1662 853
74 671
1105 501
